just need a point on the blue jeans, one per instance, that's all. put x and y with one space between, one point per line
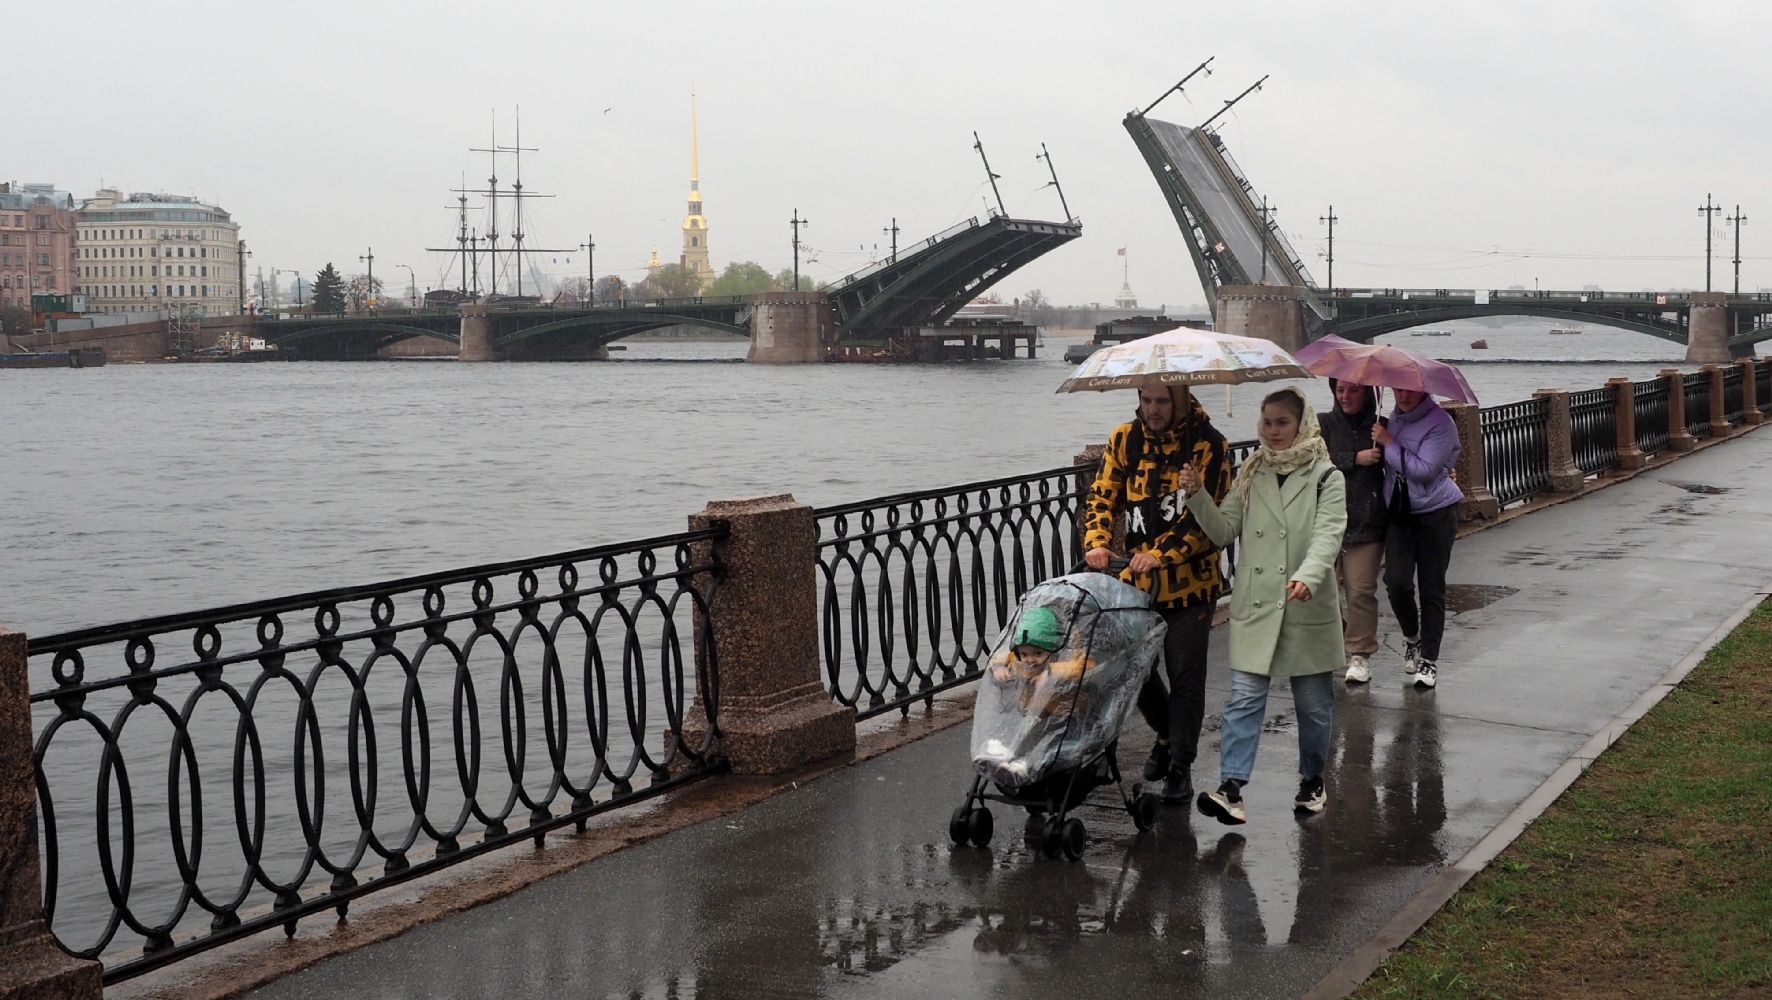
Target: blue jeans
1314 697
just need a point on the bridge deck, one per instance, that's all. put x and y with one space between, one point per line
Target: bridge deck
849 887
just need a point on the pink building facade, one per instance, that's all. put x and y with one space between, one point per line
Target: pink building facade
37 236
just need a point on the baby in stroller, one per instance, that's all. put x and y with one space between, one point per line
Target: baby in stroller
1056 692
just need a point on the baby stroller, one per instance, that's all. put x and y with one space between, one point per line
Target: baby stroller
1061 681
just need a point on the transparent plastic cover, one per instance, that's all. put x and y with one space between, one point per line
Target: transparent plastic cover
1039 711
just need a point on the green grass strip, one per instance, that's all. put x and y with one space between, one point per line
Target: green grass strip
1650 877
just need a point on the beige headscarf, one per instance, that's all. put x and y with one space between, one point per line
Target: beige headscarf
1307 448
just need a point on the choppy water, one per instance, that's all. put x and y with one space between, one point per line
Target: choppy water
133 490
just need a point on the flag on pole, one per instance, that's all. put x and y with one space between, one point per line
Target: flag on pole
1121 251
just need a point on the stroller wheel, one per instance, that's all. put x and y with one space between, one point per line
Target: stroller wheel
1074 838
980 826
1052 838
958 825
1144 810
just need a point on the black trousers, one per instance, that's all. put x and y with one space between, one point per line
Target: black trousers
1420 548
1175 710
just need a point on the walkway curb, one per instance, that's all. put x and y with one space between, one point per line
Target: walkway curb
1354 970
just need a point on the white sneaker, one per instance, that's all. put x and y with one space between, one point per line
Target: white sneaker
1358 670
1428 675
1411 655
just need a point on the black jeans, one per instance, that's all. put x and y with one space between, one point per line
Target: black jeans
1177 710
1420 548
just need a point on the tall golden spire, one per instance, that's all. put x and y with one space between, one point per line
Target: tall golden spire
694 155
695 226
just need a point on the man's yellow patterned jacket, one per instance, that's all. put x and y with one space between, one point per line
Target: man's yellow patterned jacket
1140 480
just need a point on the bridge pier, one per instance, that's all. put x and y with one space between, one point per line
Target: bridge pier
1270 312
476 333
1707 330
789 327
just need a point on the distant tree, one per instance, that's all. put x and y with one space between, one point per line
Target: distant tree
610 288
327 293
15 320
784 281
672 281
1036 308
743 278
362 293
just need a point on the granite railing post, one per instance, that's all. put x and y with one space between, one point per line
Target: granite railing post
1719 406
1750 394
1629 455
32 965
1678 437
1565 475
773 711
1472 469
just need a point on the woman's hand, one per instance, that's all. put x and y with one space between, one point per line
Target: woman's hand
1296 591
1144 562
1190 479
1382 435
1371 456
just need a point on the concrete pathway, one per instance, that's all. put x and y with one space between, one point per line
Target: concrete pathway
849 887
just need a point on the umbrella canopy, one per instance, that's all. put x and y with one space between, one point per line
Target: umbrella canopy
1183 357
1382 365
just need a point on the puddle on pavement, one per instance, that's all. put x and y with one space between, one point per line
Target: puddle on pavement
1462 597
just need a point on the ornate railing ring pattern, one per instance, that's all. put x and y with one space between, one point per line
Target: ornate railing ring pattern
1593 428
1516 447
353 739
1696 386
1649 397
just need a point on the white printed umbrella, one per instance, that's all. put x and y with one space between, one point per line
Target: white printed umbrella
1184 357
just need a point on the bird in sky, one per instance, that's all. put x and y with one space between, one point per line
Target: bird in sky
607 110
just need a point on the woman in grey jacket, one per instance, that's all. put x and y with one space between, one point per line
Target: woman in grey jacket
1286 512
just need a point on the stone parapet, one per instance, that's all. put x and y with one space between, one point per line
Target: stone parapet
1678 437
773 713
1629 455
32 965
1472 469
1719 403
1565 475
1750 393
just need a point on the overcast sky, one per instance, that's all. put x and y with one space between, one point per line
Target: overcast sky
1463 144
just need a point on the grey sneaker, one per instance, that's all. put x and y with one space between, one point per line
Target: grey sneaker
1427 675
1411 655
1311 796
1224 804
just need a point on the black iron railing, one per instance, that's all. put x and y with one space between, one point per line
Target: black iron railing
1593 428
1697 390
208 776
1516 449
1733 403
1650 399
1763 384
915 587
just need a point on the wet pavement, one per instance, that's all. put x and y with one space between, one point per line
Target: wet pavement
849 887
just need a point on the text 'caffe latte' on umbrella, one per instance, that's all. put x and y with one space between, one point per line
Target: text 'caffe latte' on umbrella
1184 357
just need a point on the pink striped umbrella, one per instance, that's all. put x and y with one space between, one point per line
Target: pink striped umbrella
1383 365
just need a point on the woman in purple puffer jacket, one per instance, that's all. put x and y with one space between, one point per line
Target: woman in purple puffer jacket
1420 447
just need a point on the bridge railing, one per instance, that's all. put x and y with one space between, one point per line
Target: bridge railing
1516 449
1593 428
881 265
1696 386
1651 404
1763 384
207 776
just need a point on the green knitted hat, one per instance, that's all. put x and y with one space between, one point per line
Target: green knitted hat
1038 627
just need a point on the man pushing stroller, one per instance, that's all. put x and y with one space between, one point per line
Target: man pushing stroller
1140 482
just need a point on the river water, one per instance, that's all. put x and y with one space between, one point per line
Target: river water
136 490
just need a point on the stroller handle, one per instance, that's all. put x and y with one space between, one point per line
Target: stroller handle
1114 566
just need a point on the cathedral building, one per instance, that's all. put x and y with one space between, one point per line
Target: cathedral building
695 225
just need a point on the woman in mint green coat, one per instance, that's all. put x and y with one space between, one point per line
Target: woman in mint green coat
1286 511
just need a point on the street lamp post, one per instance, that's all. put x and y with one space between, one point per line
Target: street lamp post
411 286
369 285
797 222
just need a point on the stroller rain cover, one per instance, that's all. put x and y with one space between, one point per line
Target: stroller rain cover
1032 717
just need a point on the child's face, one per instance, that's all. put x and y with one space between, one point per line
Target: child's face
1033 655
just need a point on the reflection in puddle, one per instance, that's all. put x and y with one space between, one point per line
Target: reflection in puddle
1462 597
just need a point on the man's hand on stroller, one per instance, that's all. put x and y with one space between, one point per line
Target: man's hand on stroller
1098 559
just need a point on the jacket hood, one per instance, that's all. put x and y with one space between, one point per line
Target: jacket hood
1423 410
1190 415
1368 412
